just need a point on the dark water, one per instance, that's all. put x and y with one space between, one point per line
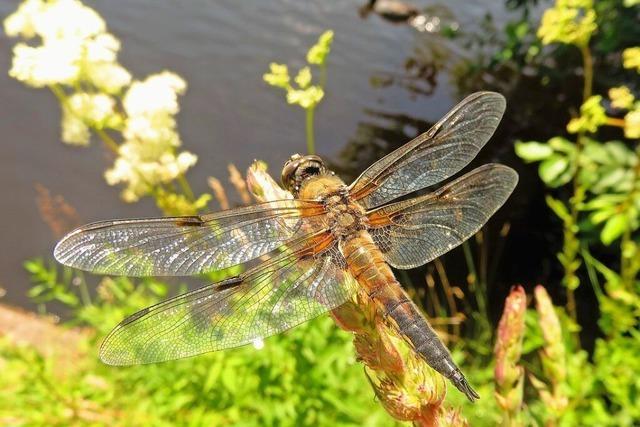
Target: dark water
221 48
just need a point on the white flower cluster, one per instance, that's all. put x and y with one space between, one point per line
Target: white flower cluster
74 44
70 48
82 110
147 157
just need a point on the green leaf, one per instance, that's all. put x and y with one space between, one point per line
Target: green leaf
554 171
603 201
620 153
609 179
533 151
562 145
614 227
595 151
602 215
558 208
67 298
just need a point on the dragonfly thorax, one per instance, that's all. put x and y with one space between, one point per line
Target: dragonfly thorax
344 217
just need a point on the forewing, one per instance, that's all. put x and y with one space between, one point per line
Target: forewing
433 156
183 246
291 287
413 232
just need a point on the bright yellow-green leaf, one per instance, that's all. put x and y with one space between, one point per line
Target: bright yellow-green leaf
561 144
533 151
613 228
595 151
554 170
559 208
602 215
609 179
603 201
620 153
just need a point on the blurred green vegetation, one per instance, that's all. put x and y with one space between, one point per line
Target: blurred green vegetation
308 376
583 58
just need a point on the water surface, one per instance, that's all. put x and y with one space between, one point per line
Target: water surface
228 115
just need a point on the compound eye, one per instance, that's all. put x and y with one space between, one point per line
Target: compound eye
312 170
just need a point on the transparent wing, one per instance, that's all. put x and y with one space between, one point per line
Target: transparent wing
433 156
183 246
413 232
291 287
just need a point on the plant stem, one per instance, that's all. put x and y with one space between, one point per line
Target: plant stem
59 94
309 129
612 121
590 263
448 292
587 65
84 291
571 242
108 141
186 188
473 283
323 75
628 271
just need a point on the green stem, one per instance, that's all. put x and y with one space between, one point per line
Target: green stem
473 284
309 130
571 244
590 263
41 308
323 75
108 141
587 65
186 188
59 93
628 271
84 290
571 241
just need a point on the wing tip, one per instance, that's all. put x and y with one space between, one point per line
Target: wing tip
117 359
109 355
59 248
487 94
509 172
499 168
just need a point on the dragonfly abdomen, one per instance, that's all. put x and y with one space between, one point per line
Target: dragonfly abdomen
414 327
366 263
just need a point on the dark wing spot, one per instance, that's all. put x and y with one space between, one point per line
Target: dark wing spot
444 192
191 221
135 316
228 284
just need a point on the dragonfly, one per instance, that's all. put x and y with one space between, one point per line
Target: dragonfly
303 256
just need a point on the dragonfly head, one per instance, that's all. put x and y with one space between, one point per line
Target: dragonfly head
298 168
